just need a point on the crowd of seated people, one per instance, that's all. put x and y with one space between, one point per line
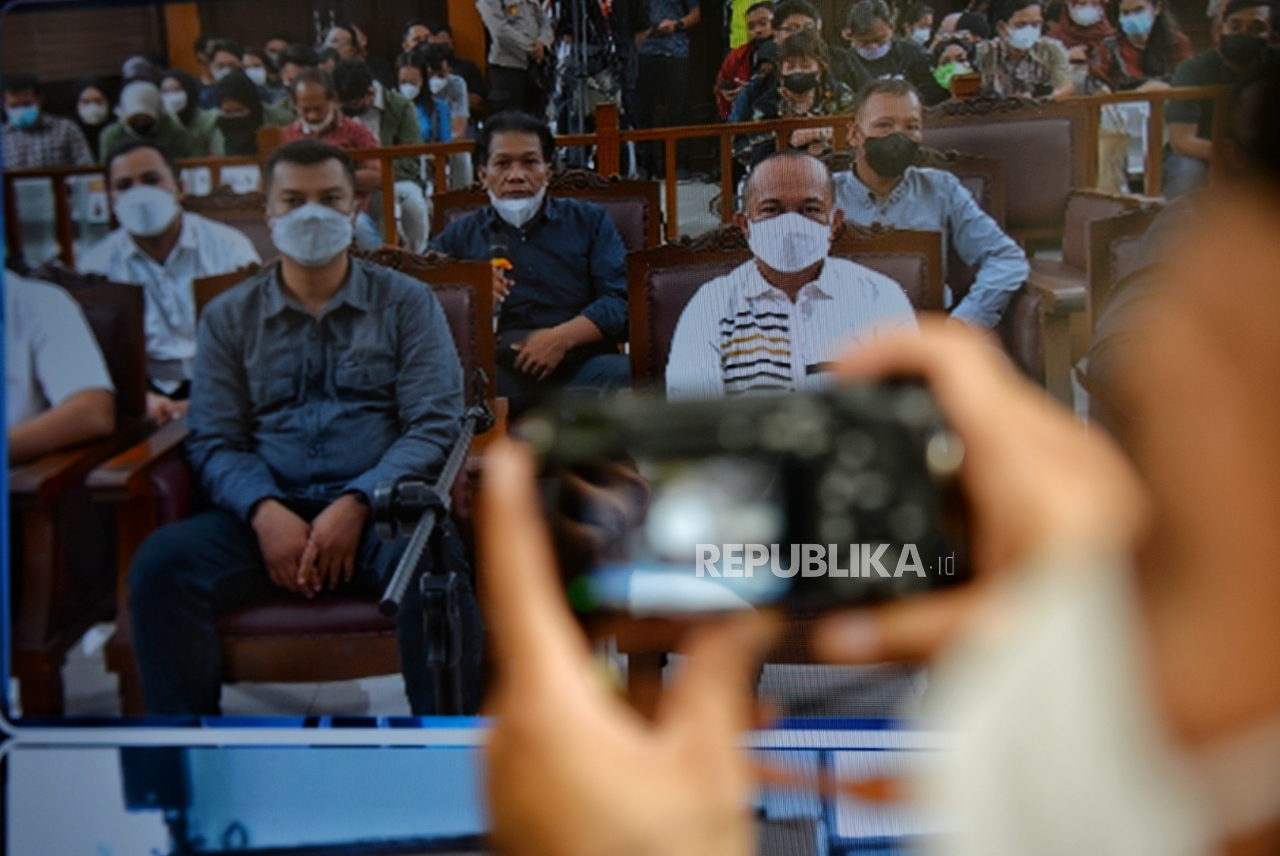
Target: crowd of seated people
279 373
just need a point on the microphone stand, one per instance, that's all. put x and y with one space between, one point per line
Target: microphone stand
396 505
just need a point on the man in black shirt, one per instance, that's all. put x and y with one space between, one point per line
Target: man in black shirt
1247 27
874 52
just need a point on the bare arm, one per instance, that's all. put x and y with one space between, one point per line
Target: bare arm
368 176
87 415
1184 140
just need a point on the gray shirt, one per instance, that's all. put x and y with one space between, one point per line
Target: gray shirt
514 25
934 200
288 405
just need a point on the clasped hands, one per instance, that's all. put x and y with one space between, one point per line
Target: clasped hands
307 558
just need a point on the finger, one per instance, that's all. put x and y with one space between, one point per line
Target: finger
911 629
306 565
349 567
965 375
526 612
715 693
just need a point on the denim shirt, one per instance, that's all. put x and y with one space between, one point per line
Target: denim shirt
567 261
934 200
290 406
673 44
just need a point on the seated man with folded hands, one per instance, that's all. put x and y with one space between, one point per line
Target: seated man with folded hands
315 380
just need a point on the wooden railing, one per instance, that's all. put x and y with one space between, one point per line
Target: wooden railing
608 140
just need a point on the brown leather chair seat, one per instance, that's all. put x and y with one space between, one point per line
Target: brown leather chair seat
1038 159
295 615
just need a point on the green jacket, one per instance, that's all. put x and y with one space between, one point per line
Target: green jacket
398 126
172 136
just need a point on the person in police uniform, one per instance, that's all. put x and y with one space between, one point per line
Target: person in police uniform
520 56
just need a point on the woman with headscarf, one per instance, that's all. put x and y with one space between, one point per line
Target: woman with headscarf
239 113
93 108
180 92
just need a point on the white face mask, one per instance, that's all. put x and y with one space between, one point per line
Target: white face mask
309 128
876 53
92 112
920 35
174 102
221 72
519 211
1023 37
146 211
312 235
789 242
410 91
1085 16
257 74
437 84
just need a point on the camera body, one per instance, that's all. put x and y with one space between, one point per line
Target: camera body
806 501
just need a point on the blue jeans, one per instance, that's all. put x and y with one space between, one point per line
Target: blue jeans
1183 173
594 376
187 573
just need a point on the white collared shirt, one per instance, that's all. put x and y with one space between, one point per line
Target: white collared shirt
741 334
204 248
50 352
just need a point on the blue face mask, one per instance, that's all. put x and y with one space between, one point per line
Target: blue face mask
22 117
1137 23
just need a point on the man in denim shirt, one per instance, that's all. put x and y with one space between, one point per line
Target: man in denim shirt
884 188
563 306
314 381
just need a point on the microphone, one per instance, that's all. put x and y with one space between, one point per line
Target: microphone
498 252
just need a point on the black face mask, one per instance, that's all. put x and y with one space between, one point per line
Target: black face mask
890 156
1242 49
142 126
352 112
755 43
801 82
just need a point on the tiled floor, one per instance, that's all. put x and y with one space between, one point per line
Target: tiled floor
91 690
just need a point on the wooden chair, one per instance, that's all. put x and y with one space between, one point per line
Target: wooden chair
634 206
1046 151
244 212
288 639
62 546
662 281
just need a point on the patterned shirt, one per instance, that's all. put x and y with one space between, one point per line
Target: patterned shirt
675 44
344 133
1008 73
741 334
51 141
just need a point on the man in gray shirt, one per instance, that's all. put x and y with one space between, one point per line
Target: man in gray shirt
522 35
883 188
315 381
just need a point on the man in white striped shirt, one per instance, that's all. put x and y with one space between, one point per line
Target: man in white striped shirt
776 323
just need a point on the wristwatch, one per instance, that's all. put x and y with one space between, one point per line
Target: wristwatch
679 25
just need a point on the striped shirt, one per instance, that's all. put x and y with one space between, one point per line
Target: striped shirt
741 334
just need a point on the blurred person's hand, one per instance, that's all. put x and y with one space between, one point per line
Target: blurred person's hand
501 285
538 51
1034 481
161 408
666 28
572 770
330 555
282 537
